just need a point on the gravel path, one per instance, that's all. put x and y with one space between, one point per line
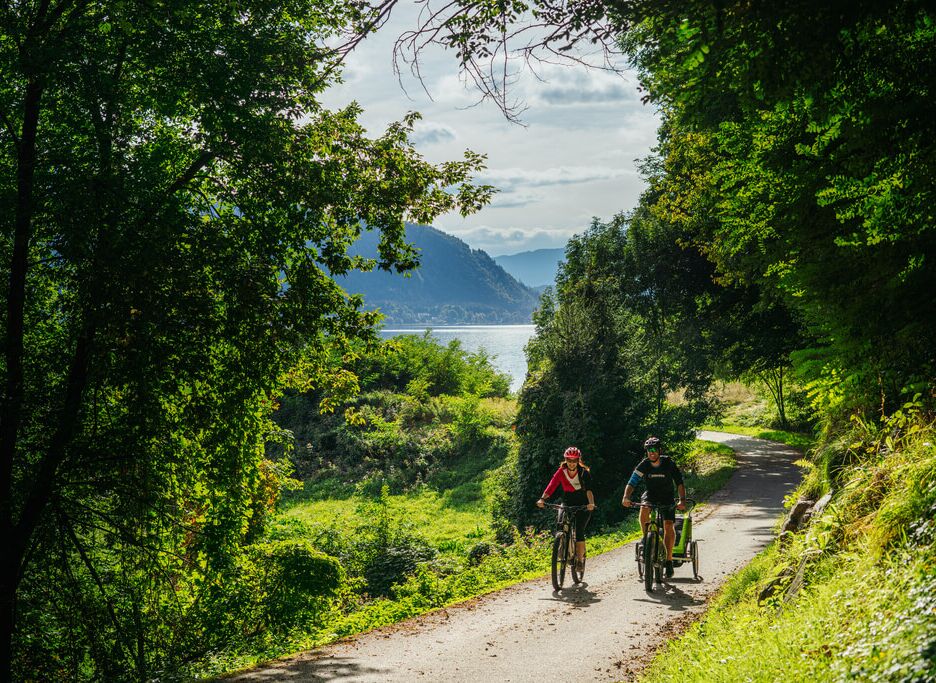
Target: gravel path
602 630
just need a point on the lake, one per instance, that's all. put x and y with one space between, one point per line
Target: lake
504 342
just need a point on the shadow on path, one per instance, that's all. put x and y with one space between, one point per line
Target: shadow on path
575 595
319 669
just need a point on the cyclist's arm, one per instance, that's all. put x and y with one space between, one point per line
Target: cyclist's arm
552 486
635 479
680 485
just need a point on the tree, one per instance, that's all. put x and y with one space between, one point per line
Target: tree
629 325
178 202
816 179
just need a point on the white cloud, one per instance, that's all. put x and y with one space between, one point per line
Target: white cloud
426 133
498 241
569 86
510 179
573 159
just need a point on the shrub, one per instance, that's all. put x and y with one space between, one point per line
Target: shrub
287 583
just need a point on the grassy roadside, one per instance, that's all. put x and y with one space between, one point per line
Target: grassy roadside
468 564
854 595
797 440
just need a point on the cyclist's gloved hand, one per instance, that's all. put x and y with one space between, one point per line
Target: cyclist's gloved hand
626 502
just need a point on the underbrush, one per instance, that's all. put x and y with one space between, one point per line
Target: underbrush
851 598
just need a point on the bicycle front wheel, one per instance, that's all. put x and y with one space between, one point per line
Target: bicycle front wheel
559 560
649 558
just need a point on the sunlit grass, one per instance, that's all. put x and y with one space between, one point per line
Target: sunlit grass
797 440
432 515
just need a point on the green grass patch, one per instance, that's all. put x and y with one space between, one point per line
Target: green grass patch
457 514
802 442
856 620
707 468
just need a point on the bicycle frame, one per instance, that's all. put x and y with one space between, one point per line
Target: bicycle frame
653 548
564 540
651 552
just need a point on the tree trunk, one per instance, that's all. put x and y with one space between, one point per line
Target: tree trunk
7 606
781 407
13 390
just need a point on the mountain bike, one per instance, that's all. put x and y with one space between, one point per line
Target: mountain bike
651 551
563 549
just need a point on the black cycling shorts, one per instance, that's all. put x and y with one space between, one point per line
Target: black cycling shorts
669 512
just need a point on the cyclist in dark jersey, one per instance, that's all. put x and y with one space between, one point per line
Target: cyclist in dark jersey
574 479
660 475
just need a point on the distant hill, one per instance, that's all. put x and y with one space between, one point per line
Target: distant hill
533 268
454 284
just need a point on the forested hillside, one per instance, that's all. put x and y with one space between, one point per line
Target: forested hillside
454 284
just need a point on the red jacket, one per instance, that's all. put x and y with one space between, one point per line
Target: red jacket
570 494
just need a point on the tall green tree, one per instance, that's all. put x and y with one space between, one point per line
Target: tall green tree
814 180
176 202
629 326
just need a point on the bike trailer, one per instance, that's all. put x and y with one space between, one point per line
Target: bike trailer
683 528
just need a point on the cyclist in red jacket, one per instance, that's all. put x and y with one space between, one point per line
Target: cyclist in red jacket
574 478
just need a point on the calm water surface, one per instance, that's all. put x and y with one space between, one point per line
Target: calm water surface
504 342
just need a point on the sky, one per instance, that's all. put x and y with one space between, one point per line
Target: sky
573 159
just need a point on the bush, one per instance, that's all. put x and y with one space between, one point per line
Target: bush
478 552
287 583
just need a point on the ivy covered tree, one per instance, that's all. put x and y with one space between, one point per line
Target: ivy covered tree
175 204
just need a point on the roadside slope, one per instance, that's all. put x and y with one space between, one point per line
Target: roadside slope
524 633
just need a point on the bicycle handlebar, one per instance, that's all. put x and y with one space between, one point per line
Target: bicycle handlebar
568 508
690 503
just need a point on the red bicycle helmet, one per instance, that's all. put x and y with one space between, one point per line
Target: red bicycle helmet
572 453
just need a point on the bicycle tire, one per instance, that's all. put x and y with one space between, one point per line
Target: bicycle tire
558 560
660 561
695 561
649 557
638 553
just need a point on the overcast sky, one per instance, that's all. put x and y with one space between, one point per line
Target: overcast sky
575 158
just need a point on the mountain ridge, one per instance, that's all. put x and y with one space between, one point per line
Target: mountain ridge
536 268
454 284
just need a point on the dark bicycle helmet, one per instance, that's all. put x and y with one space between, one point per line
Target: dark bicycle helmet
652 441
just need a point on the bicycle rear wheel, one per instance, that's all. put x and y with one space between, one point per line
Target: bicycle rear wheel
649 557
695 561
559 560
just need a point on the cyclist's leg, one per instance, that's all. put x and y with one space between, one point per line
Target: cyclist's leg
644 519
669 538
581 521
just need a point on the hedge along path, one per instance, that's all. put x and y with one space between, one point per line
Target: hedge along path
603 630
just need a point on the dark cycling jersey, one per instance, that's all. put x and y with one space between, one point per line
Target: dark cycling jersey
661 481
574 489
